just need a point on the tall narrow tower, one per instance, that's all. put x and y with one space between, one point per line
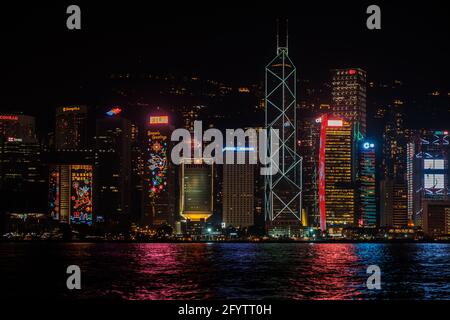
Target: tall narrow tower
283 190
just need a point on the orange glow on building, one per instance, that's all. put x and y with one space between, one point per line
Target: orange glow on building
69 109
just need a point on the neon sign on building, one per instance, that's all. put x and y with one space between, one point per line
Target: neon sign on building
70 109
159 120
9 117
114 111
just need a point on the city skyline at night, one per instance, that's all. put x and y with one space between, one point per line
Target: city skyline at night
338 167
225 152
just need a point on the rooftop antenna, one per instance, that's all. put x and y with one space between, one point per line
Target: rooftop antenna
287 33
278 34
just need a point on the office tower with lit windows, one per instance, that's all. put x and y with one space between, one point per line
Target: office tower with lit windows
196 193
159 194
283 191
399 205
395 138
137 175
259 192
436 218
349 96
394 204
112 170
395 199
71 190
430 172
336 176
71 128
366 203
70 193
410 159
22 174
238 192
17 128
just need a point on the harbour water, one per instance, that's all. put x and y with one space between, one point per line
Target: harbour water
143 271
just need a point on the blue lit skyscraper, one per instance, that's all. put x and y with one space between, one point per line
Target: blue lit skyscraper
367 196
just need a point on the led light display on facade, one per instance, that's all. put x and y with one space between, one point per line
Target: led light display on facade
81 194
157 162
53 194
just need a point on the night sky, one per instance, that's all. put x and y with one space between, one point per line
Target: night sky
44 64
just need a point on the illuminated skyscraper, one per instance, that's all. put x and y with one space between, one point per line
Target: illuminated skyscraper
70 193
71 128
113 170
196 189
283 193
336 176
17 128
430 170
349 96
436 218
137 175
309 139
159 193
399 205
394 198
367 213
410 159
22 173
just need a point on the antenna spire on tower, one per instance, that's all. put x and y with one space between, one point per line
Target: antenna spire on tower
287 33
278 34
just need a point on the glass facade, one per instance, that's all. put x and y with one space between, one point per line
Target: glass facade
367 186
336 183
196 200
283 191
349 96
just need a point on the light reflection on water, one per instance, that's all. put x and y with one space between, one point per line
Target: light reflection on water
226 270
